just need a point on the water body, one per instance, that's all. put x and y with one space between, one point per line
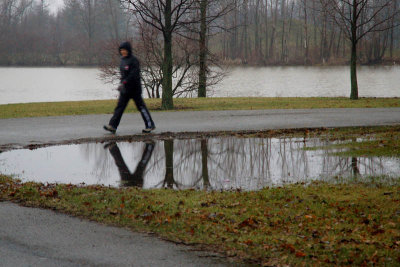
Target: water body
216 164
22 85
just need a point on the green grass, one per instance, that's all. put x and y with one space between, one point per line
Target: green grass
242 103
372 141
319 224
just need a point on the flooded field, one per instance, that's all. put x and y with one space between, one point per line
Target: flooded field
226 163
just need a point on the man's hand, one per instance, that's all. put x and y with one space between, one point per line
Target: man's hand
121 88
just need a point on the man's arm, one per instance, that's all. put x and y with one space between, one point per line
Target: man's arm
134 73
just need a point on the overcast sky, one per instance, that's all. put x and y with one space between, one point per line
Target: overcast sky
54 5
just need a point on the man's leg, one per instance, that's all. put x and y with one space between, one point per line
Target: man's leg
138 175
119 110
141 106
119 161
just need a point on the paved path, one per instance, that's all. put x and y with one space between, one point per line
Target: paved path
34 237
41 130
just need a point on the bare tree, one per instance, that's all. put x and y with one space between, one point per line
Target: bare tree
211 12
392 30
306 36
358 18
274 26
148 47
203 48
168 17
12 15
87 12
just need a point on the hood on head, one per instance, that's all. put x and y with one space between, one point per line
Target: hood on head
127 46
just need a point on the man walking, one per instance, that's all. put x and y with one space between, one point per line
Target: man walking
130 88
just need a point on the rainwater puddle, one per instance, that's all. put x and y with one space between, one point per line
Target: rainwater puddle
217 163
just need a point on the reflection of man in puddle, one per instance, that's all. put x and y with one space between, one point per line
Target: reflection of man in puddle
128 178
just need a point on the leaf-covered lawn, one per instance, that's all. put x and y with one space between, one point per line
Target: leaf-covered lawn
319 224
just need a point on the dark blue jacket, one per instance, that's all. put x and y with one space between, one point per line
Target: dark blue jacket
130 70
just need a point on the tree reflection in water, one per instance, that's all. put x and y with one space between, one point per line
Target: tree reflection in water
169 181
204 164
241 163
212 164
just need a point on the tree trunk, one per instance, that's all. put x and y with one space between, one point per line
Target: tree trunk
353 72
289 31
324 42
256 31
266 29
283 17
235 39
354 167
169 179
275 20
167 101
353 61
245 33
392 31
203 50
306 45
337 50
331 42
114 19
204 164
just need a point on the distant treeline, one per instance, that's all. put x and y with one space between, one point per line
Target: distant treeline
75 35
256 32
304 32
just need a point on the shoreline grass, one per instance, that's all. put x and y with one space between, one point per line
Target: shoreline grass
319 224
191 104
361 142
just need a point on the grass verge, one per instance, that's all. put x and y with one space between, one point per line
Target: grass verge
319 224
362 142
240 103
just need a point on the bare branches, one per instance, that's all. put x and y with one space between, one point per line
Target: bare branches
238 31
152 12
347 15
357 18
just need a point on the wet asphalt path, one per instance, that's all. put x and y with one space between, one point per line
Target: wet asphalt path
35 237
56 129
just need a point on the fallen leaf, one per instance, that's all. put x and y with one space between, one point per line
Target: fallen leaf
377 232
267 246
248 242
310 217
113 212
300 254
249 222
289 247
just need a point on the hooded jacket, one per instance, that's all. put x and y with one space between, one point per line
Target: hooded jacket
130 70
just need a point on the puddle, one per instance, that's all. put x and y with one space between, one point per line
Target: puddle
215 163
